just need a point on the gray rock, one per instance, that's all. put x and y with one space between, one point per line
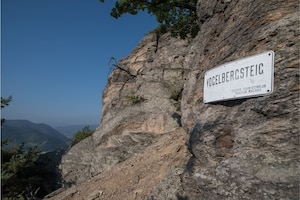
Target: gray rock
241 149
140 102
248 148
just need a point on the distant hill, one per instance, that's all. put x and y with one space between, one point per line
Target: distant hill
41 135
69 131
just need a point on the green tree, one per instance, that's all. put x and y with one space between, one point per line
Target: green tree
25 173
178 17
5 102
80 135
22 173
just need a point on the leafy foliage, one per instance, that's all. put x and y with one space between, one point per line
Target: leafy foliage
80 135
134 99
25 172
178 17
5 102
22 173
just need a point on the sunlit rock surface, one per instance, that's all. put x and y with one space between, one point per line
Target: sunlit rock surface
158 140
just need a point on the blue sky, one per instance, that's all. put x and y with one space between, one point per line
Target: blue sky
55 57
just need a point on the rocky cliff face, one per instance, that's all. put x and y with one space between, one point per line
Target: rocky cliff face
158 140
245 149
140 104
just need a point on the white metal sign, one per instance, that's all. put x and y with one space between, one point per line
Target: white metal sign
248 77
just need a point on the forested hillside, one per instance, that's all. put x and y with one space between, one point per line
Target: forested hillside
43 136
